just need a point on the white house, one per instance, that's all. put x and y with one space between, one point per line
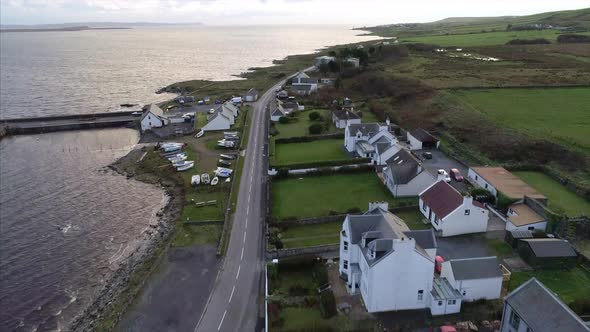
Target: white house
371 140
404 176
390 265
452 213
218 121
475 278
532 307
522 217
308 84
233 108
421 139
323 60
250 96
498 179
352 62
341 118
228 114
153 117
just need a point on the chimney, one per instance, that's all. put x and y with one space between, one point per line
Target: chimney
387 122
468 199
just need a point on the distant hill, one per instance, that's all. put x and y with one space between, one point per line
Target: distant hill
574 19
88 25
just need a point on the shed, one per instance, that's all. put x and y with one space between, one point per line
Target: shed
547 253
512 237
421 139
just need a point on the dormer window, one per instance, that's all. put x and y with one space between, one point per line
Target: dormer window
467 212
372 254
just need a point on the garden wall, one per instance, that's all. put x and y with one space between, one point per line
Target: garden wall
282 253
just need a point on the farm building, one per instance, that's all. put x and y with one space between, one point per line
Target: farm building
421 139
547 253
498 179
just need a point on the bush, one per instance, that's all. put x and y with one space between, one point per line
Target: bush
570 38
581 306
314 116
320 276
304 139
353 210
316 129
273 272
329 163
283 120
528 41
327 304
298 290
297 263
503 201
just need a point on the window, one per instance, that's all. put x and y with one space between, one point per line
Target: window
477 177
514 319
452 302
439 303
345 245
531 228
420 295
486 185
467 211
423 206
464 293
345 265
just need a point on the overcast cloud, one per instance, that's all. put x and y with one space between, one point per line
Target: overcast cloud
247 12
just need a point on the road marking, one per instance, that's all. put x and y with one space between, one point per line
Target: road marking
238 274
244 236
242 256
248 199
247 209
222 318
232 293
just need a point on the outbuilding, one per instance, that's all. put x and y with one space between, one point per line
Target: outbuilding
250 96
475 278
547 253
421 139
513 236
153 117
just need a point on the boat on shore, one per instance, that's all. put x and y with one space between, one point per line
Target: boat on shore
227 156
200 134
185 167
195 180
183 163
205 178
223 172
177 159
214 181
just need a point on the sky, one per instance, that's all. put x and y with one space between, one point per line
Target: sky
254 12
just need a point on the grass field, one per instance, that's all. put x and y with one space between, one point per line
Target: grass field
569 285
560 114
311 235
483 39
413 218
300 128
560 198
318 195
315 151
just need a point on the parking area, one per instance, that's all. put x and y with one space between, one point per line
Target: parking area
464 246
440 160
179 110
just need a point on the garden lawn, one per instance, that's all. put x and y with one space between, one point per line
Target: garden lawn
413 218
560 198
558 114
483 39
569 285
311 235
304 319
301 127
319 195
309 152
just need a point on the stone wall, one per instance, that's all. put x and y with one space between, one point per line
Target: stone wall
282 253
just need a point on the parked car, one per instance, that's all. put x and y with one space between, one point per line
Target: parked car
427 155
211 111
137 113
456 175
445 174
438 264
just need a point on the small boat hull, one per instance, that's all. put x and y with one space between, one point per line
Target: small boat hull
214 181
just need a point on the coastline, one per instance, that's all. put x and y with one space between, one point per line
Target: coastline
122 287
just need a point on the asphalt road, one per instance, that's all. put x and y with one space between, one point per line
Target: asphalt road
234 303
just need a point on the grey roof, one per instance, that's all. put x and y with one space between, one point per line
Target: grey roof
302 87
425 238
442 290
550 247
154 109
365 146
217 113
277 112
423 136
476 268
521 234
542 310
402 167
345 115
380 245
290 105
366 129
252 92
382 146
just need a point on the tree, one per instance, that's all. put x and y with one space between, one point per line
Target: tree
314 116
316 128
334 66
283 120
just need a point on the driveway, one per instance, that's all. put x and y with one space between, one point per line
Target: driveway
463 246
440 160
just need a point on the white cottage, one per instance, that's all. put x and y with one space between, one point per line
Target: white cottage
250 96
419 139
452 213
403 175
153 117
371 140
217 121
341 118
475 278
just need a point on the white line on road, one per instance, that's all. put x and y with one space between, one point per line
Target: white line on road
247 209
242 256
244 236
222 318
238 274
232 293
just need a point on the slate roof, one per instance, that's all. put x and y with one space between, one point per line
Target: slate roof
542 310
402 167
252 92
342 114
442 290
476 268
366 129
154 109
521 234
301 87
308 80
424 237
442 199
423 136
550 247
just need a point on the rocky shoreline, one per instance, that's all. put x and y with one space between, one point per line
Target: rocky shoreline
117 290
